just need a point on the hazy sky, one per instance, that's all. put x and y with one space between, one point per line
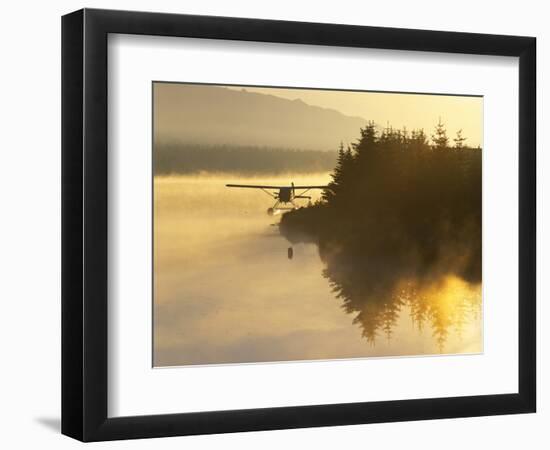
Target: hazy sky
410 110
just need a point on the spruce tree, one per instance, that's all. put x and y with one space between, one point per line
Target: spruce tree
439 138
459 140
336 175
367 140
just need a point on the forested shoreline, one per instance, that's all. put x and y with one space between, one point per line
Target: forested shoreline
402 212
187 158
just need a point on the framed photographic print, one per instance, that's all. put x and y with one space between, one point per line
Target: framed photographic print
273 224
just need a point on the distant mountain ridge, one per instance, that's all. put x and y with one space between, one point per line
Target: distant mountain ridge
215 115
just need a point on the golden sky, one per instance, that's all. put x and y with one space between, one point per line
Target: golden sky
410 110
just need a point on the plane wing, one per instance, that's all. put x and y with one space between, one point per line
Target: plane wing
310 187
254 186
274 187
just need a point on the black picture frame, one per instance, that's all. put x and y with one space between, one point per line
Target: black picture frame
84 224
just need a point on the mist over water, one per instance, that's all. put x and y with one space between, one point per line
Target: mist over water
227 292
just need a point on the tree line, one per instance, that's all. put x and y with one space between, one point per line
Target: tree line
400 208
189 158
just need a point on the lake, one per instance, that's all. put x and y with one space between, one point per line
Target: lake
226 290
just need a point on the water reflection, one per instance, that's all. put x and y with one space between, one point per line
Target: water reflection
227 290
449 304
378 288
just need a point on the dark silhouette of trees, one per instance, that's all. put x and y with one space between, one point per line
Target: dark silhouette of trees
418 141
439 137
186 158
459 140
344 163
401 216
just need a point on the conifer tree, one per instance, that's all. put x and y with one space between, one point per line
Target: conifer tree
367 140
459 140
439 138
336 175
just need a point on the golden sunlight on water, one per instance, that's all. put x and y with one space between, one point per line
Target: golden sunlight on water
226 290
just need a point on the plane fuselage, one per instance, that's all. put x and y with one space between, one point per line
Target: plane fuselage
285 195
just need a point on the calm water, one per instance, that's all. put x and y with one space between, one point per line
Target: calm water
226 291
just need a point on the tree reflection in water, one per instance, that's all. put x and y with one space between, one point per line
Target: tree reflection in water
443 305
399 228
